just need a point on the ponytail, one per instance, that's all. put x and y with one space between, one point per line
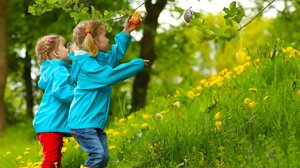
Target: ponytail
89 44
84 35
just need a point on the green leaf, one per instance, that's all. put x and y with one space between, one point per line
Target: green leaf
31 10
106 13
52 1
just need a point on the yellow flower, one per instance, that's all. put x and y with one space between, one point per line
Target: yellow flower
218 124
134 125
165 111
146 116
252 89
125 131
19 158
177 93
27 149
199 88
8 153
191 94
130 117
247 100
109 131
76 146
266 98
298 93
112 147
64 149
252 104
159 116
177 104
26 152
202 81
121 120
241 56
116 133
144 125
218 115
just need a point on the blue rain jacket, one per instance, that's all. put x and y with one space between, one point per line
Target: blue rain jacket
52 114
95 77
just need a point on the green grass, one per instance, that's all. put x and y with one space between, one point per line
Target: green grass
179 130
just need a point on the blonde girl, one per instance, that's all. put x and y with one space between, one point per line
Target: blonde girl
50 120
95 69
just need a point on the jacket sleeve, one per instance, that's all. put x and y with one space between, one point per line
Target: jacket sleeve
61 89
101 76
119 49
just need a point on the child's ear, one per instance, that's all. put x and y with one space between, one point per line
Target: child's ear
55 53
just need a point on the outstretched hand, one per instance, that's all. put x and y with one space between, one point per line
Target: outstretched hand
129 27
146 62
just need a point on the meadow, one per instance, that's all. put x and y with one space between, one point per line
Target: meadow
243 117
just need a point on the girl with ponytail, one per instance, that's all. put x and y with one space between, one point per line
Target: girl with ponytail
95 69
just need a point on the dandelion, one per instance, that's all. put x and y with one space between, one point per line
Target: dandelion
159 116
144 125
27 149
191 94
76 146
247 100
121 120
218 124
252 89
164 111
26 152
146 116
252 104
109 131
19 158
202 81
177 104
115 133
199 88
112 147
130 117
257 60
177 93
218 115
125 131
134 125
64 149
266 98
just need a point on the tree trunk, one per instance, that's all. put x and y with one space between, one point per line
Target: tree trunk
27 71
141 81
28 84
3 60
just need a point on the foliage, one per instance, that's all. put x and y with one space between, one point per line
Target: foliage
244 117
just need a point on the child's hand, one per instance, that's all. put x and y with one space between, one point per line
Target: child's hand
129 27
146 62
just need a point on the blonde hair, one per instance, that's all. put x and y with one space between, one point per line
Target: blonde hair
45 45
84 35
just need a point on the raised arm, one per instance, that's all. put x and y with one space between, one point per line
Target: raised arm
97 76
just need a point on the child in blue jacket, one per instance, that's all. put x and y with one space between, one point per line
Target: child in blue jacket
50 121
95 69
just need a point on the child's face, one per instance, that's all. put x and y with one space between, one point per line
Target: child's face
62 51
102 42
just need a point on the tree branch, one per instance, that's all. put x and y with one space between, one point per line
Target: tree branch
256 15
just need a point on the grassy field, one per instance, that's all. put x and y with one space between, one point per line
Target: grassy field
245 117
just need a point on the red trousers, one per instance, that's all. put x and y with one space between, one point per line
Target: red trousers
52 143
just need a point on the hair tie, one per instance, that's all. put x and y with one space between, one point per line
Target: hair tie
86 33
49 40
